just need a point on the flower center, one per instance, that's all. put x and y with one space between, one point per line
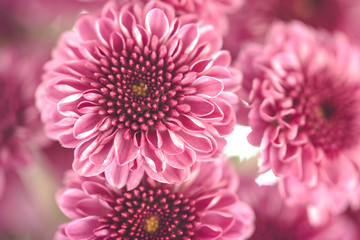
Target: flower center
152 224
150 213
139 86
139 90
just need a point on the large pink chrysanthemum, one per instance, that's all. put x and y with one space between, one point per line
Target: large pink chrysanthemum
205 207
303 94
252 20
275 220
138 89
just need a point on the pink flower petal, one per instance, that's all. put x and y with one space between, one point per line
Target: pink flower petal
86 125
174 144
189 36
199 106
157 23
182 160
125 151
116 175
208 86
68 199
85 27
82 228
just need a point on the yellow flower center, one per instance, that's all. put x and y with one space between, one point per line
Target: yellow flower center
140 89
152 224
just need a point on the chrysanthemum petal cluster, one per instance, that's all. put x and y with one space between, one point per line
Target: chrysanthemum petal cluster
303 93
205 207
137 89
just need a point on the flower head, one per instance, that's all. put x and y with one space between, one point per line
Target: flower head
136 89
303 91
205 207
20 130
253 19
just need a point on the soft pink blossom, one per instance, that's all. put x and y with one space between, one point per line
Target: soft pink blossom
251 21
137 89
276 220
205 207
301 90
20 126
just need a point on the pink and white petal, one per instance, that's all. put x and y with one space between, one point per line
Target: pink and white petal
197 141
155 159
199 106
183 160
92 207
218 219
189 35
208 86
117 176
191 124
125 151
85 27
68 199
154 139
103 155
205 232
157 23
67 105
134 178
86 168
85 149
174 144
104 28
96 190
169 175
82 228
117 42
86 125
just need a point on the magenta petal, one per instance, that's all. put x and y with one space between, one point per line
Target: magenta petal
205 232
189 35
116 175
191 124
197 141
218 219
67 105
157 23
125 151
154 158
95 189
104 28
174 144
117 42
85 27
92 207
82 228
86 125
182 160
199 106
154 138
208 86
86 168
103 156
68 199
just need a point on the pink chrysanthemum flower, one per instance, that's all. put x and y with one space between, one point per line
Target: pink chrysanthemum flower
138 89
205 207
303 93
253 19
275 220
20 128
